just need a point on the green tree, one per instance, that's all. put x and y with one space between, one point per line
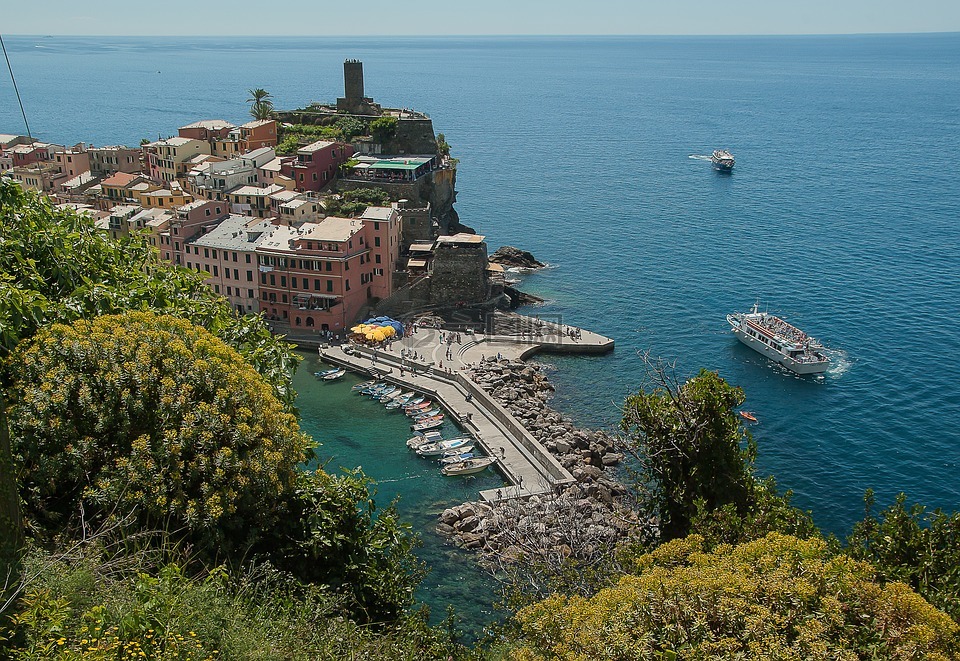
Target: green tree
348 128
442 147
147 413
691 450
774 598
912 545
354 202
383 128
262 107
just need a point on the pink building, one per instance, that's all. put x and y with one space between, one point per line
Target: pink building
321 275
316 164
72 162
191 221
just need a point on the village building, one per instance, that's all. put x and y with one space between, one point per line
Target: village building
38 176
211 180
105 161
167 160
124 188
227 253
316 164
252 200
190 221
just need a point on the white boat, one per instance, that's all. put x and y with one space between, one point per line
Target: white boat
324 373
414 402
435 449
457 454
468 466
419 408
393 394
779 341
421 438
363 386
335 375
427 414
722 160
427 423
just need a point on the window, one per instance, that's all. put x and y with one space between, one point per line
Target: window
229 293
376 241
376 258
176 245
226 273
248 258
214 254
196 250
234 256
330 285
329 266
273 280
215 274
216 288
284 297
236 274
293 283
316 284
263 278
283 281
346 285
315 176
249 293
206 252
346 266
206 212
249 276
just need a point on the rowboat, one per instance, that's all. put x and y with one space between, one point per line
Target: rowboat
746 415
386 397
363 386
428 414
428 423
468 466
323 373
456 458
415 401
435 449
419 408
421 438
334 375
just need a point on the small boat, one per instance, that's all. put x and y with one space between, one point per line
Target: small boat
415 401
456 457
722 160
746 415
363 386
335 375
324 373
388 395
406 397
436 449
393 405
428 414
429 423
779 341
382 392
468 466
420 438
419 408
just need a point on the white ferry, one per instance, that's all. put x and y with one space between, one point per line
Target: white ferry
779 341
722 160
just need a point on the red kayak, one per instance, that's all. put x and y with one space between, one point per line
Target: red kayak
746 415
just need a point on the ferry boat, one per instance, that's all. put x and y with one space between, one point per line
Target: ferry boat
722 160
779 341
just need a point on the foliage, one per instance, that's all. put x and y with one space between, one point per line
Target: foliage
443 148
90 609
262 107
288 145
354 202
339 538
55 266
344 129
768 511
691 450
147 412
912 545
383 128
777 597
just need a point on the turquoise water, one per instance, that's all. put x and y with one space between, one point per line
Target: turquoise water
357 432
841 214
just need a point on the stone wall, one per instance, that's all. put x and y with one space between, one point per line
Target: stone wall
459 274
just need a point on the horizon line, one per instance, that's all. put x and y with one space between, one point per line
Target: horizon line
500 35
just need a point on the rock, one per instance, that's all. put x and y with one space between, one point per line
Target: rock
449 516
514 257
562 446
445 529
467 524
612 458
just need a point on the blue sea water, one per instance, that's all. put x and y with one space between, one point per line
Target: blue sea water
842 214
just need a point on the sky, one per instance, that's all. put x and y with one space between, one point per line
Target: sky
479 17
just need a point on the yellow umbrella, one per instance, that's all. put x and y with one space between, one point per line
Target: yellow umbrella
378 335
389 331
357 329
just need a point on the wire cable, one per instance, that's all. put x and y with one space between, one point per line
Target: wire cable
15 89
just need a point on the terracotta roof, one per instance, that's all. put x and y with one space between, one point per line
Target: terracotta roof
119 179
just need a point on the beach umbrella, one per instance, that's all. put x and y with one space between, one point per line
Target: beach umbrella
378 335
388 331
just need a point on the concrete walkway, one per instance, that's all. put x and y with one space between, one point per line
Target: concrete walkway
527 465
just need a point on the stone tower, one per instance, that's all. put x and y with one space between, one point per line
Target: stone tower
353 100
353 81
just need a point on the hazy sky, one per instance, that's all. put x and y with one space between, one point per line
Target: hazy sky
466 17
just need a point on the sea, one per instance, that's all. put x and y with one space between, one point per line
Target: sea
842 215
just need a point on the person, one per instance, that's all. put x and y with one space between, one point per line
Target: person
499 494
503 452
469 397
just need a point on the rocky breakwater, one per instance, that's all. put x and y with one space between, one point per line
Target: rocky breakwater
510 257
583 519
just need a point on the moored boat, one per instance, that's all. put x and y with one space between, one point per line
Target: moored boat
428 414
468 466
779 341
722 160
324 373
427 423
363 386
438 448
446 459
333 376
421 438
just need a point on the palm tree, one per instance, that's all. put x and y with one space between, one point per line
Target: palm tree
262 105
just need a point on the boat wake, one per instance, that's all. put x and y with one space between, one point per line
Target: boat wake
699 157
840 362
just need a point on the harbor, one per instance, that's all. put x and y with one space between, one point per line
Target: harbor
436 362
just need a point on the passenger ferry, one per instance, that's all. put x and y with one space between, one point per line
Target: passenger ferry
722 160
779 341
